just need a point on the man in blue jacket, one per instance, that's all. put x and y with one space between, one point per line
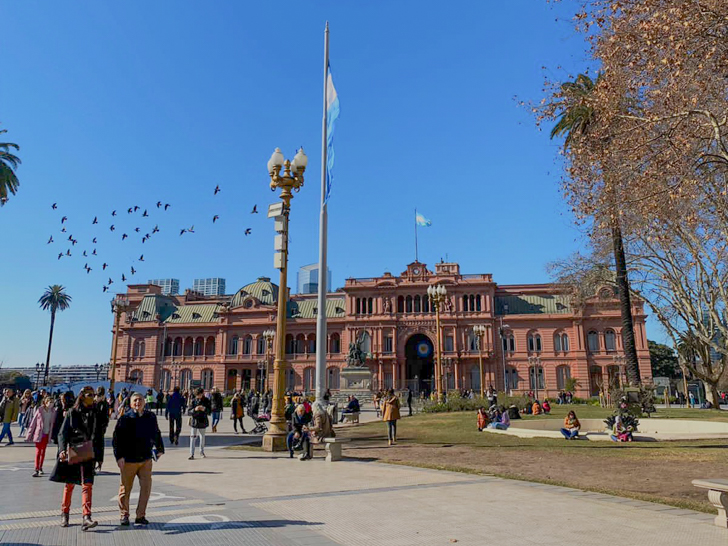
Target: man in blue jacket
136 436
175 408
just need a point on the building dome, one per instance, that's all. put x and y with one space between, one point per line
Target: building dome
262 289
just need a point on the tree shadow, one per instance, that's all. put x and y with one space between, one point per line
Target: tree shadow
172 529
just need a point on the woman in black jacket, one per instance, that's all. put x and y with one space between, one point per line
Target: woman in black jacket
199 410
101 407
79 426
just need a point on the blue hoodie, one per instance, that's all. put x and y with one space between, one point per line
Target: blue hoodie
174 405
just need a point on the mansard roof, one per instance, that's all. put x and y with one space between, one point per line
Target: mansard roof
533 304
194 312
262 289
151 306
307 309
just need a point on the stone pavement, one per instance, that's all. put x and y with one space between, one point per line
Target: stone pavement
250 497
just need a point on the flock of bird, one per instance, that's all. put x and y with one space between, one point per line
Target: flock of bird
146 236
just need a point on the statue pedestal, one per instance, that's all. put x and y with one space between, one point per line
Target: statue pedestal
355 380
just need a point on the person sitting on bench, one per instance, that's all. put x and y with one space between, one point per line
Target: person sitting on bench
351 407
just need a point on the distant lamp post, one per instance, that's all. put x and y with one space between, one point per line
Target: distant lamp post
437 295
39 367
119 305
535 363
290 180
504 348
268 336
479 331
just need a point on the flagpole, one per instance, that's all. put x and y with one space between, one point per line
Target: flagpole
321 330
416 257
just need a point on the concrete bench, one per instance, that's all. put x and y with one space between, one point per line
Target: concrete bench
350 417
333 448
717 495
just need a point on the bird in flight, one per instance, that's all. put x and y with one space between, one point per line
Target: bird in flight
166 206
106 288
54 206
182 231
50 240
145 214
255 210
136 229
70 237
144 239
103 267
74 242
141 258
60 255
159 204
113 213
111 281
130 210
136 208
248 231
191 230
217 190
215 218
63 230
63 220
133 270
156 229
94 252
112 228
96 220
123 278
94 241
124 236
68 252
84 254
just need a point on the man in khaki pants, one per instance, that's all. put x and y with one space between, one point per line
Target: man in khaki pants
135 437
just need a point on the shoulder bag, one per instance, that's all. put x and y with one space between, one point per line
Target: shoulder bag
80 452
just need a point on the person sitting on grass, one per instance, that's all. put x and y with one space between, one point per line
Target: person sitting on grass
546 407
536 408
501 421
482 419
527 409
621 432
571 426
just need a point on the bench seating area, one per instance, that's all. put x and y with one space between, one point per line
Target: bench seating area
718 496
333 448
350 417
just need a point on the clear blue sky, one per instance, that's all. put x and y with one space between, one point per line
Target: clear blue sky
117 104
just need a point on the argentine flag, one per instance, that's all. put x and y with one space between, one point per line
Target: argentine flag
332 114
422 221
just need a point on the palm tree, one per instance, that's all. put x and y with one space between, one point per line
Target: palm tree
53 299
8 164
576 118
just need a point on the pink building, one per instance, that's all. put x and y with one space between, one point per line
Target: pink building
535 339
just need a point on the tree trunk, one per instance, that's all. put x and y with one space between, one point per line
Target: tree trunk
711 393
50 342
625 305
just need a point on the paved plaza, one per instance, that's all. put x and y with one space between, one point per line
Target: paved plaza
251 497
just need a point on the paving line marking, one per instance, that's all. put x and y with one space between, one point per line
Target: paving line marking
78 511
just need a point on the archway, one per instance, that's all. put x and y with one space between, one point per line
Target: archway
420 368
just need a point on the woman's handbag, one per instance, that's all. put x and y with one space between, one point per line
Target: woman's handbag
81 452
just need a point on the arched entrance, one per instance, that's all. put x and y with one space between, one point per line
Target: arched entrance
420 368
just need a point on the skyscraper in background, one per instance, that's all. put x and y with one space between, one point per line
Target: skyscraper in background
170 287
308 277
209 287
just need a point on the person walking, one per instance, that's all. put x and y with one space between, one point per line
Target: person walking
39 432
137 441
173 413
75 462
199 410
160 402
390 414
237 412
409 400
9 409
101 407
26 406
62 405
216 405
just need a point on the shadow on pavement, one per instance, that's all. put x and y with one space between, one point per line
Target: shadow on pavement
173 528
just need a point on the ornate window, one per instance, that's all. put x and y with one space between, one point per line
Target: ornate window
309 379
400 304
592 341
408 304
388 345
511 378
165 382
335 344
210 346
562 374
233 345
311 342
136 376
260 345
185 379
565 343
449 344
418 306
207 379
509 342
177 349
534 343
332 378
248 345
199 346
534 373
188 346
290 344
610 340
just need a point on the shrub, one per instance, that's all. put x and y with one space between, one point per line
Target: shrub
226 401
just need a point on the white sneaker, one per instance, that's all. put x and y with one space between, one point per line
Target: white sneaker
203 455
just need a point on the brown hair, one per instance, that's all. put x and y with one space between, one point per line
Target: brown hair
81 395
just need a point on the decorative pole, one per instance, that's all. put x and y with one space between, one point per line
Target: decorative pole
437 294
479 330
118 306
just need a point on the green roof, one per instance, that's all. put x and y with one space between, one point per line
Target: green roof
548 304
194 312
262 289
151 306
304 309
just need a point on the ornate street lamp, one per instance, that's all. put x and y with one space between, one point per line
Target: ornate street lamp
291 180
268 336
97 368
119 305
437 295
479 331
38 368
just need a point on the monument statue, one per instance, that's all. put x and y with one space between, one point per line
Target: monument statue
356 356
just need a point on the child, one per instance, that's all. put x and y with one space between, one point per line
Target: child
482 419
546 407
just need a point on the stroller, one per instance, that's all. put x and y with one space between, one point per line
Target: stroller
260 423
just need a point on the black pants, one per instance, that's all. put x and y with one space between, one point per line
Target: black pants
235 424
175 425
409 405
159 408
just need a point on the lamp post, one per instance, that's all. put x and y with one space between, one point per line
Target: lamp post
38 369
535 362
479 330
119 305
501 331
290 180
175 371
437 295
97 368
268 336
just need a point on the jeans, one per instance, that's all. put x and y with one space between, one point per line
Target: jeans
194 433
21 419
235 424
569 434
498 426
6 430
40 451
216 417
305 444
392 430
175 425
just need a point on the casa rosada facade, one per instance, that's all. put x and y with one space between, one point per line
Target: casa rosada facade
534 340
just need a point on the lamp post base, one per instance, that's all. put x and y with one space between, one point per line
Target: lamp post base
274 441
